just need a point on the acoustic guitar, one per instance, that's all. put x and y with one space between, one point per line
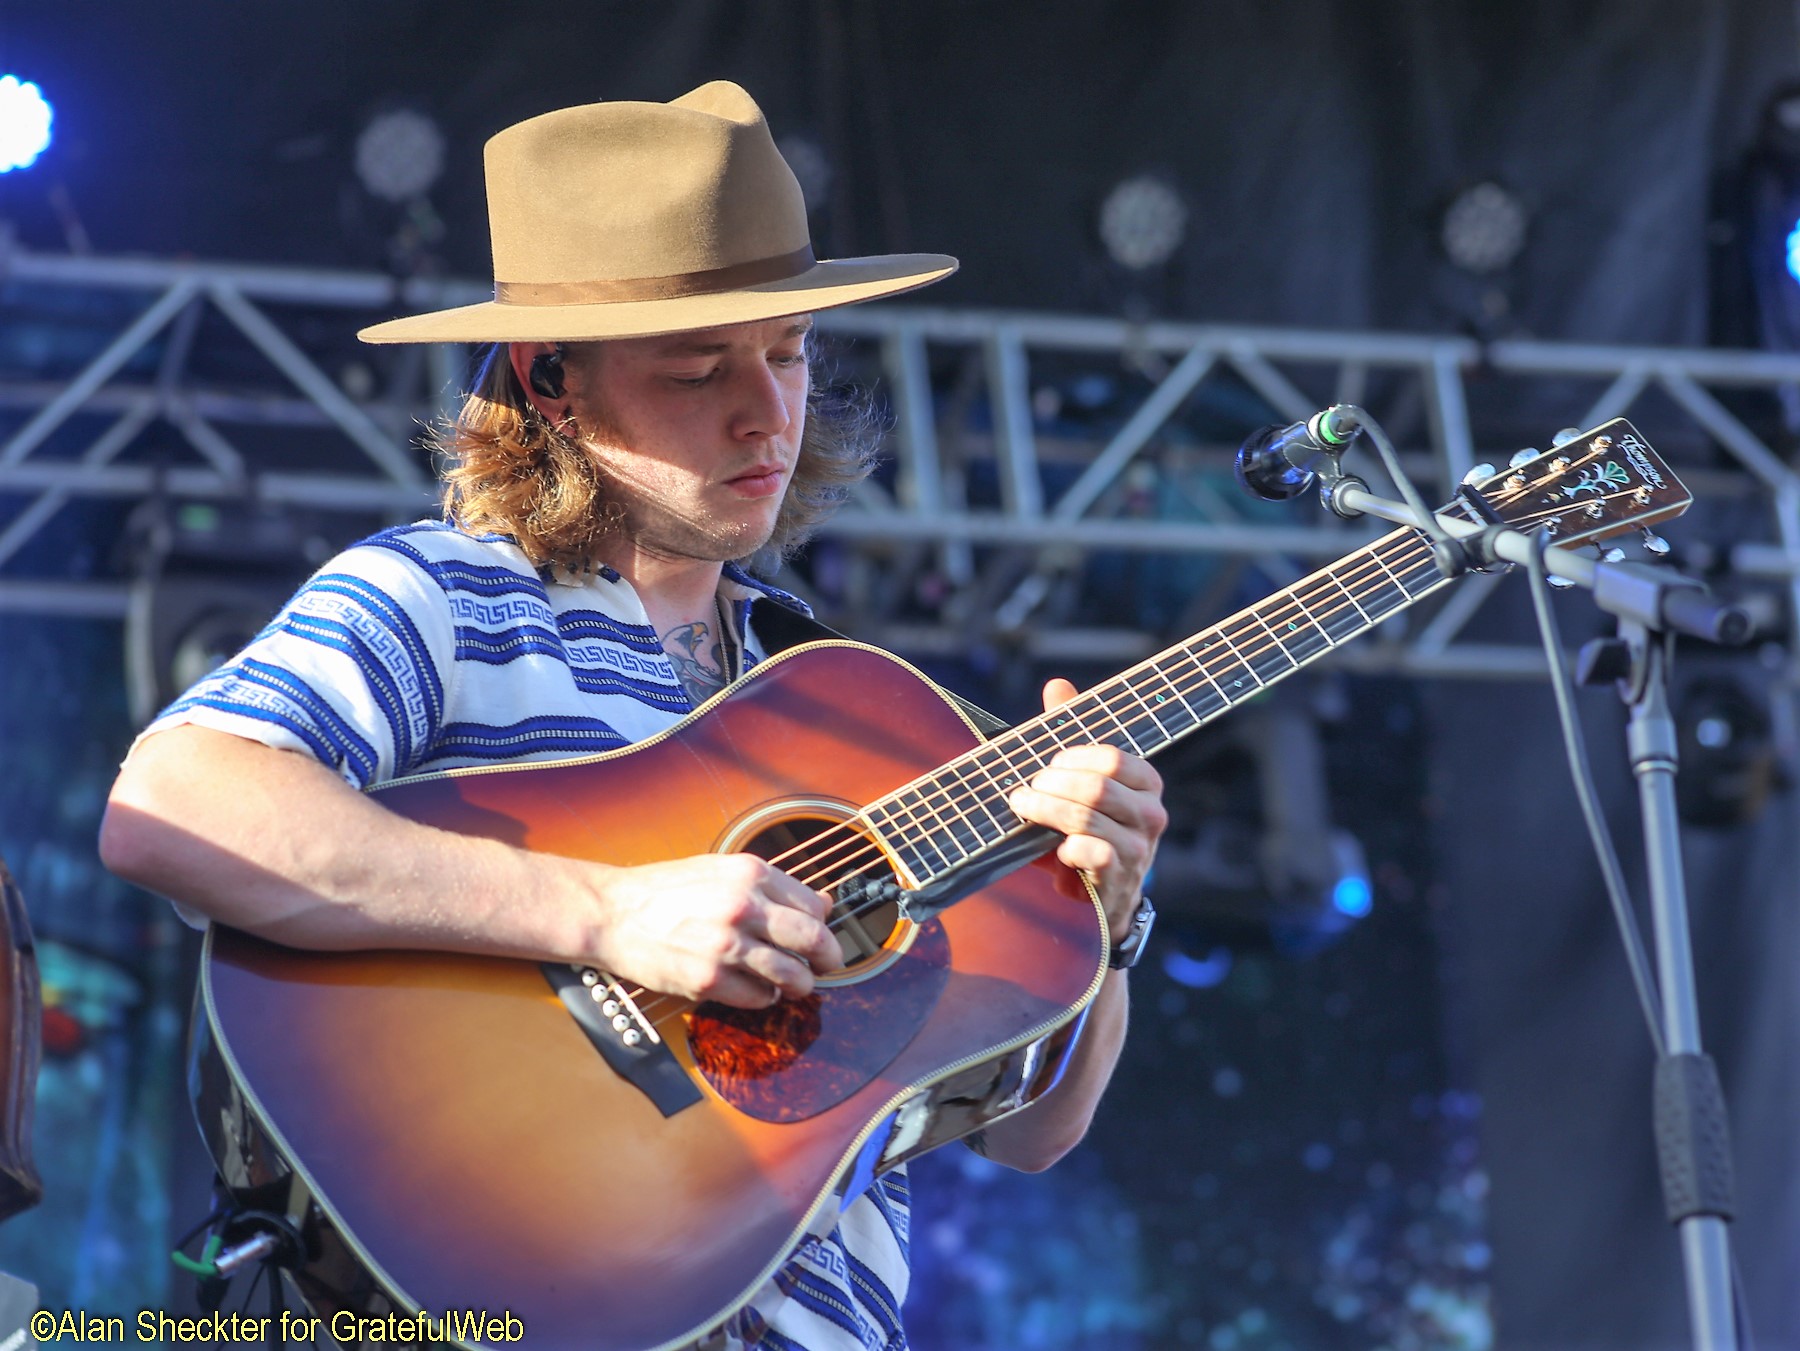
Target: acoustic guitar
615 1169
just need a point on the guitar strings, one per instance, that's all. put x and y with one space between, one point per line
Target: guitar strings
851 849
1284 608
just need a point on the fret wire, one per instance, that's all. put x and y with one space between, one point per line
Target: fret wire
978 763
1277 637
1151 669
1193 655
1226 639
1270 630
908 814
1381 563
1010 821
1349 595
1124 731
922 836
981 800
1164 677
946 821
1236 690
1081 719
1323 631
1119 689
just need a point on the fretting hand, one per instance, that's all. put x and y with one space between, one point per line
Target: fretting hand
1108 806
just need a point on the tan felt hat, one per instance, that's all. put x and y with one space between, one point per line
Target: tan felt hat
620 220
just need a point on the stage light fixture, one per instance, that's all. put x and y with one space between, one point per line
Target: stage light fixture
1724 738
399 154
1484 229
1143 221
25 118
208 577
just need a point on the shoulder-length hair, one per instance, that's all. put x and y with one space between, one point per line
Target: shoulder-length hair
508 471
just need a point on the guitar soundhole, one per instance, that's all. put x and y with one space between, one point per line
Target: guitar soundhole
803 1056
828 854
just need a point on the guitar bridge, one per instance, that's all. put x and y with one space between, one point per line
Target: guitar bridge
625 1038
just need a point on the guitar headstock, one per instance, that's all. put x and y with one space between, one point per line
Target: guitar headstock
1601 483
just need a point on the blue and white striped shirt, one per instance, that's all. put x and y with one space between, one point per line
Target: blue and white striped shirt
423 648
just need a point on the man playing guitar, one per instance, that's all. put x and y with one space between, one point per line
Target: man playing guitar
644 425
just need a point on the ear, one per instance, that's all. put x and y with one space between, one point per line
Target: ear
520 355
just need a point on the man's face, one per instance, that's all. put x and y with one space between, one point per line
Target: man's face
697 433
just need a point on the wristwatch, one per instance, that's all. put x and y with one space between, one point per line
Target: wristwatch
1129 950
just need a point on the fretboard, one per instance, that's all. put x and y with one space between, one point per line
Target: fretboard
944 819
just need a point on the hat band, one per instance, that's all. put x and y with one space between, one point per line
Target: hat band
711 280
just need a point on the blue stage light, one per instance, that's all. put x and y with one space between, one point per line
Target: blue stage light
1352 896
1793 251
25 118
1197 973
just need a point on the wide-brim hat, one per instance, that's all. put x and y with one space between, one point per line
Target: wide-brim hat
620 220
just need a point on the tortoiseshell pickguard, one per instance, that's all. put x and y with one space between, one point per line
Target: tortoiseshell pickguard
802 1056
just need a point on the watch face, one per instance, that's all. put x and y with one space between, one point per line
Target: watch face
1127 950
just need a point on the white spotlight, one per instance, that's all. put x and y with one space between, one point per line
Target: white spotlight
399 154
1142 222
25 118
1484 228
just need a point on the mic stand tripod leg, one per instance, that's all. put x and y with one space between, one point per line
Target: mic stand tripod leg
1692 1140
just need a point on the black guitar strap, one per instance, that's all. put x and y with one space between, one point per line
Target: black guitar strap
781 628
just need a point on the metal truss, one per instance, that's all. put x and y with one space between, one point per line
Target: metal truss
1001 507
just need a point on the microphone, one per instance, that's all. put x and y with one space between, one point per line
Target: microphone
1276 463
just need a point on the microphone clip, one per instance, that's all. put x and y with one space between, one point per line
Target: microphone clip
1279 463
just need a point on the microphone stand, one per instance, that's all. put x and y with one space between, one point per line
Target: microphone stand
1651 605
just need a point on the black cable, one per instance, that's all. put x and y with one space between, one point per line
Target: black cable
1447 551
1649 998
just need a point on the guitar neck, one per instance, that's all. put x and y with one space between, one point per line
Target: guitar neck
943 820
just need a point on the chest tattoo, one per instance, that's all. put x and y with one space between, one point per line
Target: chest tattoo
698 654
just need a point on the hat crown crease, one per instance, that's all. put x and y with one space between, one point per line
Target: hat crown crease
614 191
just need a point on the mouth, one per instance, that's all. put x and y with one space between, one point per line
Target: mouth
761 480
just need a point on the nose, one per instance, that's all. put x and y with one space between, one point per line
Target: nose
765 406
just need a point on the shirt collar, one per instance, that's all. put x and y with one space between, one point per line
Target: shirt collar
735 584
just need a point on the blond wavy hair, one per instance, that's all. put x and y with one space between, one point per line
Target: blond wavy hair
508 471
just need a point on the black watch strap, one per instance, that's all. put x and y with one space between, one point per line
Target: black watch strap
1129 950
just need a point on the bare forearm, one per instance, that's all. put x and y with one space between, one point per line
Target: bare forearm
1037 1137
276 844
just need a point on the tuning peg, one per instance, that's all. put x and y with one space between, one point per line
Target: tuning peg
1655 545
1560 583
1478 472
1566 435
1520 457
1612 556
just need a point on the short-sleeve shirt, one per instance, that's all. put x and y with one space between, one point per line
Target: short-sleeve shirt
425 648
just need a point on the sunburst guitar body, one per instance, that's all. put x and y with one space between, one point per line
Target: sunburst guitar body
464 1144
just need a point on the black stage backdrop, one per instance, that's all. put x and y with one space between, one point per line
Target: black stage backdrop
1315 143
